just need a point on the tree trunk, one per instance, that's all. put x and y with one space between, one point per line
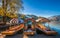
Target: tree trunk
4 6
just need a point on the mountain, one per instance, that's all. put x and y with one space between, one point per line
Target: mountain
54 18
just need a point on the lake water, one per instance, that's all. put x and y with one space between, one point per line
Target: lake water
55 27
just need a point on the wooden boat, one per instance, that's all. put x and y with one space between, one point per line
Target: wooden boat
2 36
13 30
29 29
45 30
29 33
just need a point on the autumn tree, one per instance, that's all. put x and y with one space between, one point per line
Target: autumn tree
11 6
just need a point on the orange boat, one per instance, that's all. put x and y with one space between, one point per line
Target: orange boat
13 30
45 30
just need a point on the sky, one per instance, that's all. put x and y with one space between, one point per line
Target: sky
45 8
